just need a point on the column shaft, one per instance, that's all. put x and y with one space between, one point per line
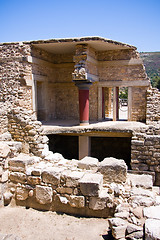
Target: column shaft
84 106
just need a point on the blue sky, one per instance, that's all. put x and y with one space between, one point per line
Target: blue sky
136 22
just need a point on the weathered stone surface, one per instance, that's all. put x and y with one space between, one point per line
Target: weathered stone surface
17 177
152 229
123 214
43 194
91 184
119 232
152 212
88 163
143 200
4 150
4 177
63 190
117 222
7 196
135 236
21 193
113 170
96 203
142 192
34 180
144 181
5 136
72 178
52 175
99 203
54 156
19 163
77 201
15 146
133 228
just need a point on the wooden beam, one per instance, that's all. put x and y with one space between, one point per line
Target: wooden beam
121 83
120 62
38 61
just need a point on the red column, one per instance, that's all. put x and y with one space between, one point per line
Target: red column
84 106
117 103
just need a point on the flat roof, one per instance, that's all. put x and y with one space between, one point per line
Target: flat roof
67 45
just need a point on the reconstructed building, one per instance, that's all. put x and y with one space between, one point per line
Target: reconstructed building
72 86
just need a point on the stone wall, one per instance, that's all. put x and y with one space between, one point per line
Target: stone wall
153 106
145 151
85 187
139 105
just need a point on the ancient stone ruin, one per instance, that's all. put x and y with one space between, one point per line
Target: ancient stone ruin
64 143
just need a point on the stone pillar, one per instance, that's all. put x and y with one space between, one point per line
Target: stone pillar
84 146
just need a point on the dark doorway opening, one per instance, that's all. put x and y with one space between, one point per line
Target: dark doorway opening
66 145
118 147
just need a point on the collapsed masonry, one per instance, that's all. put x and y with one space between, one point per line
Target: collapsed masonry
43 84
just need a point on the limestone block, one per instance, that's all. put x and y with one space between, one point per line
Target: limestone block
119 232
96 203
36 172
113 170
15 146
72 178
21 193
143 200
52 175
43 194
5 136
88 163
77 201
63 200
116 222
135 235
144 180
63 190
123 214
34 180
142 192
99 203
4 177
152 229
19 163
4 150
152 212
91 184
17 177
7 196
1 171
133 228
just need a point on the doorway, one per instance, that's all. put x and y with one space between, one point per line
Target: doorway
115 103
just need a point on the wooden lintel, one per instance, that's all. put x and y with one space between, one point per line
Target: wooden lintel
95 134
120 83
121 62
38 61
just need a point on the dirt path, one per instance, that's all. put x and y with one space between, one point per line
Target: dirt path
30 224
